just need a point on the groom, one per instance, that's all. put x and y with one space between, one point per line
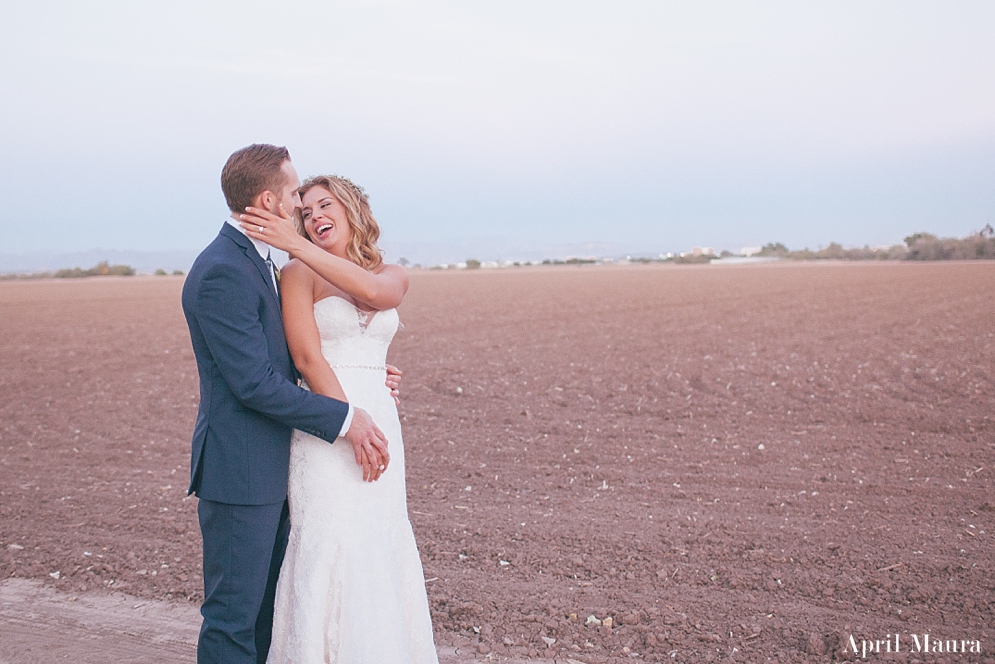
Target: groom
249 405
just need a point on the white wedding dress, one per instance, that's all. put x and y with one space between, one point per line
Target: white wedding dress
351 589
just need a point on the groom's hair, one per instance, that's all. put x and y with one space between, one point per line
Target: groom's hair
251 171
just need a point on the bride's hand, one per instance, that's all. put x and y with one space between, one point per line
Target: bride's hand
275 230
394 383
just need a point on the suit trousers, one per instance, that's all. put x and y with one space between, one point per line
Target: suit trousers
244 547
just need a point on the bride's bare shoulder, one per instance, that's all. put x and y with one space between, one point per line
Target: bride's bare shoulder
393 268
393 271
295 269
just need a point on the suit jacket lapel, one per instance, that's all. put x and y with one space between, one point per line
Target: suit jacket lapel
253 255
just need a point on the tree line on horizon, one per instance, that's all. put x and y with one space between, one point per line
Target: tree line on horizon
101 269
920 246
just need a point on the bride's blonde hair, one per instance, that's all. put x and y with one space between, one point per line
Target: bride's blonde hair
362 248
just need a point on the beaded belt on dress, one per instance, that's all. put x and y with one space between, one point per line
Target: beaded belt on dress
372 367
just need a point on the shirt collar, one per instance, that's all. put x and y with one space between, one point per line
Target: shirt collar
278 256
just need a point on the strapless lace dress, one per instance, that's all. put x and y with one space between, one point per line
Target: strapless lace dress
351 589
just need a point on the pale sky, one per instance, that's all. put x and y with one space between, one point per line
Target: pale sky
486 128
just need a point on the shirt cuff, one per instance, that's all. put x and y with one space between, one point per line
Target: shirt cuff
347 422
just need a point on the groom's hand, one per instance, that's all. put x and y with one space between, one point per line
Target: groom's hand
368 444
394 383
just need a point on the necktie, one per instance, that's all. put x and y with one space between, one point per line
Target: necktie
272 273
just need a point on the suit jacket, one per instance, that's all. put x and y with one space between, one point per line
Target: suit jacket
249 398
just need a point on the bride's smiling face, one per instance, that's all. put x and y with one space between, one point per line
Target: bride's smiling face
325 221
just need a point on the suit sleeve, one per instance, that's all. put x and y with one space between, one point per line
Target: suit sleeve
228 315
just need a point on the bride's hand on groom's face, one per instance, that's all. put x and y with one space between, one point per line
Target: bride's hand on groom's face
275 230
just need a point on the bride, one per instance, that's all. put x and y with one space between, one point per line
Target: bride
351 588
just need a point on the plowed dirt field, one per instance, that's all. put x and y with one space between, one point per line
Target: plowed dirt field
745 462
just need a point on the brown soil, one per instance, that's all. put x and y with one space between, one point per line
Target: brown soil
749 462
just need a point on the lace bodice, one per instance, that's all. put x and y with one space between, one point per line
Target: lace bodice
352 337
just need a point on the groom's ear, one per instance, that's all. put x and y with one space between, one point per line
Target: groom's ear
265 200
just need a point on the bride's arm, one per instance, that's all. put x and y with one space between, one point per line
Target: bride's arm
297 293
297 300
383 289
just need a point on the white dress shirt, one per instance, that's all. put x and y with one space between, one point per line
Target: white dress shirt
280 259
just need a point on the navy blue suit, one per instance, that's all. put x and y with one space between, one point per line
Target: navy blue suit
249 405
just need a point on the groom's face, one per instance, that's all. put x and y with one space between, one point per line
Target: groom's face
287 195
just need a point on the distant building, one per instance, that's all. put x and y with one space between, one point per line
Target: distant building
750 251
702 251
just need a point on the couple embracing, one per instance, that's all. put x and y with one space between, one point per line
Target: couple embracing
308 552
